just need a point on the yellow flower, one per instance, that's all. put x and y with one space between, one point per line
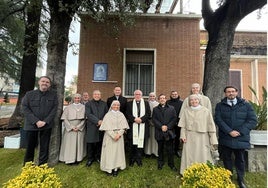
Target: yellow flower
206 176
33 176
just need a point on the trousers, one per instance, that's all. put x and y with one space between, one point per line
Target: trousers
239 161
169 147
43 136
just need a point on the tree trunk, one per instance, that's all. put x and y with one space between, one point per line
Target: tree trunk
57 47
29 60
221 26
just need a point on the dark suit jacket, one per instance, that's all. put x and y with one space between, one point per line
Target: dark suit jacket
95 111
37 105
164 116
122 100
145 118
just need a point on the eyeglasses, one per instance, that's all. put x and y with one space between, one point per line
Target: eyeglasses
233 91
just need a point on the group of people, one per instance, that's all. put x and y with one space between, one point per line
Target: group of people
99 130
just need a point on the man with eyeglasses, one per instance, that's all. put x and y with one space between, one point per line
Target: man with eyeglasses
235 118
138 114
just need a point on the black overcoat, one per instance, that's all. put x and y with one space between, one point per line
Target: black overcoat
38 105
95 111
164 116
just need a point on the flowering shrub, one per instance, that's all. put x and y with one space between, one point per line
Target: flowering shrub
33 176
206 176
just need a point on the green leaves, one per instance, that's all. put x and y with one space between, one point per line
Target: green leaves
11 38
260 108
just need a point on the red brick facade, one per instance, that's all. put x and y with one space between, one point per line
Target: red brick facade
174 38
176 41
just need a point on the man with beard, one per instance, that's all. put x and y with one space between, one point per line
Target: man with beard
235 118
39 108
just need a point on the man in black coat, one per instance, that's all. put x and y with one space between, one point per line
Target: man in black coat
95 112
39 108
164 119
138 114
176 102
118 96
235 118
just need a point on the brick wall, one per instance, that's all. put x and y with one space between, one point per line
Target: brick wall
175 38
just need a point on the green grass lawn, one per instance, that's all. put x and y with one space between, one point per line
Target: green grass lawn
80 176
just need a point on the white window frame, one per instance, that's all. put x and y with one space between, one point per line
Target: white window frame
124 69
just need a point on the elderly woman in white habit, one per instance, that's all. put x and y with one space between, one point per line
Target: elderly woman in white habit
113 151
73 147
198 134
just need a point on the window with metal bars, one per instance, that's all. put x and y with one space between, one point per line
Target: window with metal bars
139 71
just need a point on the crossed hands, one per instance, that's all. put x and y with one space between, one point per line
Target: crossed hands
40 124
234 133
138 120
164 128
117 137
75 129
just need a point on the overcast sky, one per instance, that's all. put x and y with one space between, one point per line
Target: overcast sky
249 23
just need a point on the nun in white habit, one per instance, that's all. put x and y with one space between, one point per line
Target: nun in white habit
113 153
73 147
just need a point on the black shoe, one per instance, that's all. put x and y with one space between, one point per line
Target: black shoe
148 156
89 163
98 160
73 164
139 163
241 185
173 168
115 173
131 163
160 166
109 174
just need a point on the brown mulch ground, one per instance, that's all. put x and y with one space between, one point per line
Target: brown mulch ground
3 121
4 132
